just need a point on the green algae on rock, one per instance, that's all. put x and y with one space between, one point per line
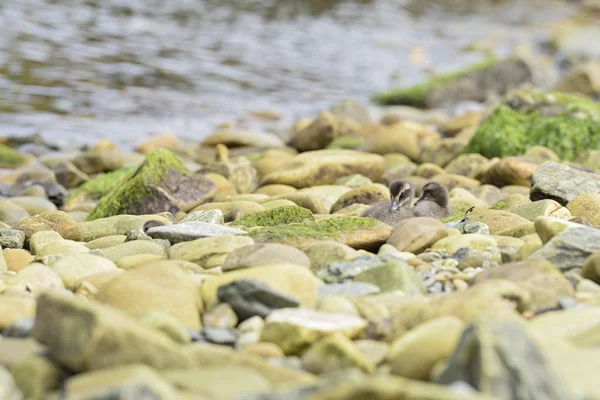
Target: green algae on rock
275 216
10 158
160 183
567 124
353 231
102 184
472 83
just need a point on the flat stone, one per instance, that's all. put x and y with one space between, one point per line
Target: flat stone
333 353
346 270
394 275
78 266
570 248
208 252
187 231
264 254
348 288
251 297
115 253
562 183
295 329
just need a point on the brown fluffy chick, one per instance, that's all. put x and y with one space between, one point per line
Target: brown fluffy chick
397 209
433 203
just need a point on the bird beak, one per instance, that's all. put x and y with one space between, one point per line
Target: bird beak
394 205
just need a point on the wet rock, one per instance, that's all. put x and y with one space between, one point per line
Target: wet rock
487 359
264 254
276 216
250 297
367 194
416 234
160 183
544 281
210 216
123 382
335 352
208 252
358 233
317 135
570 248
324 167
187 231
295 329
11 238
159 288
562 183
415 354
289 279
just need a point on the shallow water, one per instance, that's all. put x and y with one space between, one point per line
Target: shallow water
78 70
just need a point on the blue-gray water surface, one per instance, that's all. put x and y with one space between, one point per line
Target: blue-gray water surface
75 71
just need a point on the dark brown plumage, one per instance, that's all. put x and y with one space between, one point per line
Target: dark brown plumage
433 203
397 209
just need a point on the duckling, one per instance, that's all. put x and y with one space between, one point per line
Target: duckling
402 195
433 203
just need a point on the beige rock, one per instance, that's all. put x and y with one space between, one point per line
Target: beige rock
323 167
11 212
317 135
510 171
586 205
275 189
544 208
160 141
208 252
429 170
327 252
234 209
264 254
40 278
367 194
138 260
498 220
591 268
106 241
78 266
468 165
223 186
57 221
443 151
16 258
548 227
135 247
472 240
14 307
400 137
36 376
335 352
451 181
414 354
414 235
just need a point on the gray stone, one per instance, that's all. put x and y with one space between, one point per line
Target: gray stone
349 288
562 183
347 270
20 328
570 248
187 231
210 216
497 357
249 297
11 238
223 336
137 234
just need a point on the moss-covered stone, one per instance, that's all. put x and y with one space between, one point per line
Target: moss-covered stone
276 216
353 231
10 158
99 186
474 82
567 124
160 183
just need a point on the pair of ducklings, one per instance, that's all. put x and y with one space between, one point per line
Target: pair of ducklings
433 203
